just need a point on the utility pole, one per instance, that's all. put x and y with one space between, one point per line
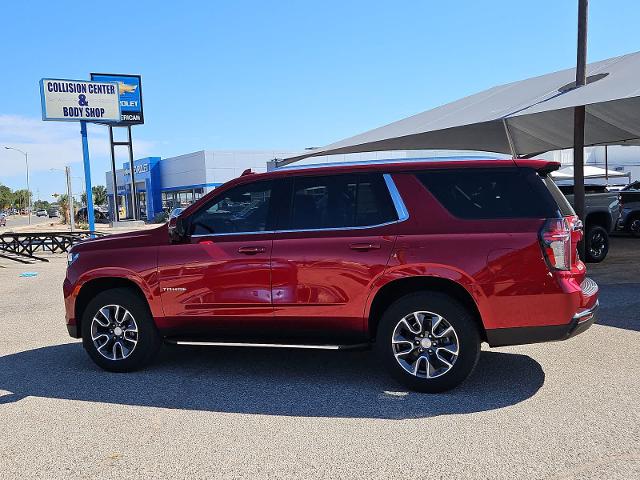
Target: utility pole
579 117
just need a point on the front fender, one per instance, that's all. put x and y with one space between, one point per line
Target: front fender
146 281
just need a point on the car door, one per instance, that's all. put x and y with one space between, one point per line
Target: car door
334 240
220 277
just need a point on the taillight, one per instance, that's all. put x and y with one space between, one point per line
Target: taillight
555 238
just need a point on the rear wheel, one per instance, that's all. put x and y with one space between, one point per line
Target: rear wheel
596 244
118 331
428 341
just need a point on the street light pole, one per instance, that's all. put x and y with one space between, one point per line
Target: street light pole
26 162
72 223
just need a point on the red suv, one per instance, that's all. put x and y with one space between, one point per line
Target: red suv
422 260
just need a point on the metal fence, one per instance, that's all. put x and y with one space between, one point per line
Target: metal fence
23 246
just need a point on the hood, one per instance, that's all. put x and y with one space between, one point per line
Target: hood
140 238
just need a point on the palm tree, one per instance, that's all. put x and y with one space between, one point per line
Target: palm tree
63 203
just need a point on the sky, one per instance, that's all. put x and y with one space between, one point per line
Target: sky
279 75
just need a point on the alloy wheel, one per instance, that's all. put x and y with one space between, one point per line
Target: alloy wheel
425 344
597 245
114 332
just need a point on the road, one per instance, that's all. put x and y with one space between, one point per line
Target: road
560 410
21 221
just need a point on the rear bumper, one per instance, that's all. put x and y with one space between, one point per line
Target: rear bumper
581 321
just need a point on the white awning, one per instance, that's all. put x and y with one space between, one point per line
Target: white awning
522 118
590 172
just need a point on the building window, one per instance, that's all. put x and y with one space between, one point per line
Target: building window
180 198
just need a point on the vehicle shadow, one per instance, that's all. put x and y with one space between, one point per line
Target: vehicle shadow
620 306
263 381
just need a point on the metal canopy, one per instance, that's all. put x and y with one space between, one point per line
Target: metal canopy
521 118
590 172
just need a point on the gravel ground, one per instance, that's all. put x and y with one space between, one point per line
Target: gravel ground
559 410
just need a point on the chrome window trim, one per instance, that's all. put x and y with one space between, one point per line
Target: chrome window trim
260 232
398 203
401 208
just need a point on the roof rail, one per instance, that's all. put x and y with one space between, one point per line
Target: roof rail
389 161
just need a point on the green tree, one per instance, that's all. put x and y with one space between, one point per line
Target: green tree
99 195
41 205
7 197
21 198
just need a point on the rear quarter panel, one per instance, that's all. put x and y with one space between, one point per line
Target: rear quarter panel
499 262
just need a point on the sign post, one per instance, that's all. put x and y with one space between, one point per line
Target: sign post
81 101
87 177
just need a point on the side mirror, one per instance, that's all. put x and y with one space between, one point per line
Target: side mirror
177 229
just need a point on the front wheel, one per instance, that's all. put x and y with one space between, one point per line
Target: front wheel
596 244
118 331
428 341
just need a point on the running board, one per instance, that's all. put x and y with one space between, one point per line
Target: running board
268 345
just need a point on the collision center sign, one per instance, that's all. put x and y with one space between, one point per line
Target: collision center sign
79 100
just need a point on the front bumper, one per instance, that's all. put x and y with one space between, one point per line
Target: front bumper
581 321
73 331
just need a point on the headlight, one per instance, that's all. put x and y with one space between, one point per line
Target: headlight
71 257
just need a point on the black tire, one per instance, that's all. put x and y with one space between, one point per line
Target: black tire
148 338
596 244
457 316
633 225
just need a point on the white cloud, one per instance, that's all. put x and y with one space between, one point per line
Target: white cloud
53 144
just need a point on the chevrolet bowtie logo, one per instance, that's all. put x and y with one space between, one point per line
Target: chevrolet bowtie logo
126 88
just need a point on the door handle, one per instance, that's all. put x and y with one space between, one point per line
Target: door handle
251 250
364 247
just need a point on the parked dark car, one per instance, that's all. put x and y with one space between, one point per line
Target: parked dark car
101 215
421 260
630 210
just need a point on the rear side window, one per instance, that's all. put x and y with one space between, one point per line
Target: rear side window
491 193
565 207
339 201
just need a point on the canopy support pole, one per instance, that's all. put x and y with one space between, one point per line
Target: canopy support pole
579 118
512 146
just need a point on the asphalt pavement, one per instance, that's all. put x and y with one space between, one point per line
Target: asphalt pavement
14 221
559 410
